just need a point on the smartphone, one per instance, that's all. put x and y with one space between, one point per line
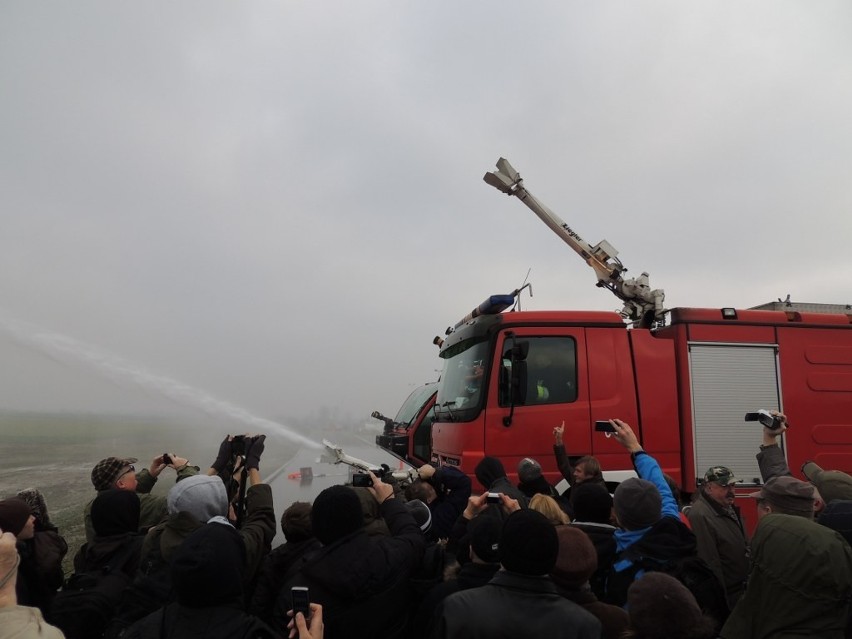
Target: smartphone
604 427
361 480
492 498
301 601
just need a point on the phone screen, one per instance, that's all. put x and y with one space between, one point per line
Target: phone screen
301 600
604 427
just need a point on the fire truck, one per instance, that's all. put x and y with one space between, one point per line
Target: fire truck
683 378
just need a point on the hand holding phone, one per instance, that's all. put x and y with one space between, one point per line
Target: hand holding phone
301 600
604 426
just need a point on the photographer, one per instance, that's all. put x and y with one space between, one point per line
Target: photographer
445 490
120 472
359 580
192 503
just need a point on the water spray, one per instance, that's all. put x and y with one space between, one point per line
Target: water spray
114 368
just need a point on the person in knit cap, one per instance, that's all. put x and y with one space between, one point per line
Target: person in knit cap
299 543
47 547
360 580
17 518
120 473
800 584
576 562
483 535
661 607
492 475
531 481
192 503
651 535
115 518
593 515
17 620
207 571
521 600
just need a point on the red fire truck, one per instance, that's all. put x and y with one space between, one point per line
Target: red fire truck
683 378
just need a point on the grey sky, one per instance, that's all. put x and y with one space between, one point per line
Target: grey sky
282 202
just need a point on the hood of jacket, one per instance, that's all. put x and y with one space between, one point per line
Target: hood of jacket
202 496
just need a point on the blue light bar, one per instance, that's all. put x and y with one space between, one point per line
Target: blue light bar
491 306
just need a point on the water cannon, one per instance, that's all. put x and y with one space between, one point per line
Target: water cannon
642 305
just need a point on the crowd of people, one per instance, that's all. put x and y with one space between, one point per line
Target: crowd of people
434 558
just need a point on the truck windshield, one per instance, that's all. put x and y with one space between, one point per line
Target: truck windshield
409 409
462 382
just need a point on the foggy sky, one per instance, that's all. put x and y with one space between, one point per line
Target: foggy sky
281 203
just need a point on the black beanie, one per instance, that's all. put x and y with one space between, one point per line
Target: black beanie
529 544
14 515
115 511
489 470
208 567
336 513
592 502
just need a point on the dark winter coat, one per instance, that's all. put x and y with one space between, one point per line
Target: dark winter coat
361 581
276 570
603 539
218 622
512 605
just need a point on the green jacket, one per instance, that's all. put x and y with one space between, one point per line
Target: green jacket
152 507
799 586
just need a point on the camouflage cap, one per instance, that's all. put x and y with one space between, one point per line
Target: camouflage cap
720 475
108 470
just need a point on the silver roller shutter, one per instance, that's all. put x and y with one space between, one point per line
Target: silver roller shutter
728 381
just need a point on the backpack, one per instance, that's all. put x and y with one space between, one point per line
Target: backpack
150 590
87 601
692 571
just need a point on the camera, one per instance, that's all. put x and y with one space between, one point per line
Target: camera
492 498
167 459
300 600
238 445
361 480
767 419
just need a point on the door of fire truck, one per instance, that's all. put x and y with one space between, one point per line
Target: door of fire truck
575 375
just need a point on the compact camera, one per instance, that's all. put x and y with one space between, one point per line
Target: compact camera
492 498
767 419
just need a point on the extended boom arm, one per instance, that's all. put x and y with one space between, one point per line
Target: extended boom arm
641 304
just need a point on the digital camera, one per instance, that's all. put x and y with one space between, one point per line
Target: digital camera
767 419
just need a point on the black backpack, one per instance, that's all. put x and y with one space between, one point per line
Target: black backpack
87 601
692 571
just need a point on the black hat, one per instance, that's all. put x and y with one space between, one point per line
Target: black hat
421 513
115 511
528 544
484 536
489 470
336 513
592 502
14 515
208 567
637 504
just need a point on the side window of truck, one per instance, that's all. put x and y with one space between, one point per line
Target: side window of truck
551 370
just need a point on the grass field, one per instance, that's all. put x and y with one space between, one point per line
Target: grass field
56 453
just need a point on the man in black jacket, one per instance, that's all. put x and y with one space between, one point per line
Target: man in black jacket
521 600
445 490
359 580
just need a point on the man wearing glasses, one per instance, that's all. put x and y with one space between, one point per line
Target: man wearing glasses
115 472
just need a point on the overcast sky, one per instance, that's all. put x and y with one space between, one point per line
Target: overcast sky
281 203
